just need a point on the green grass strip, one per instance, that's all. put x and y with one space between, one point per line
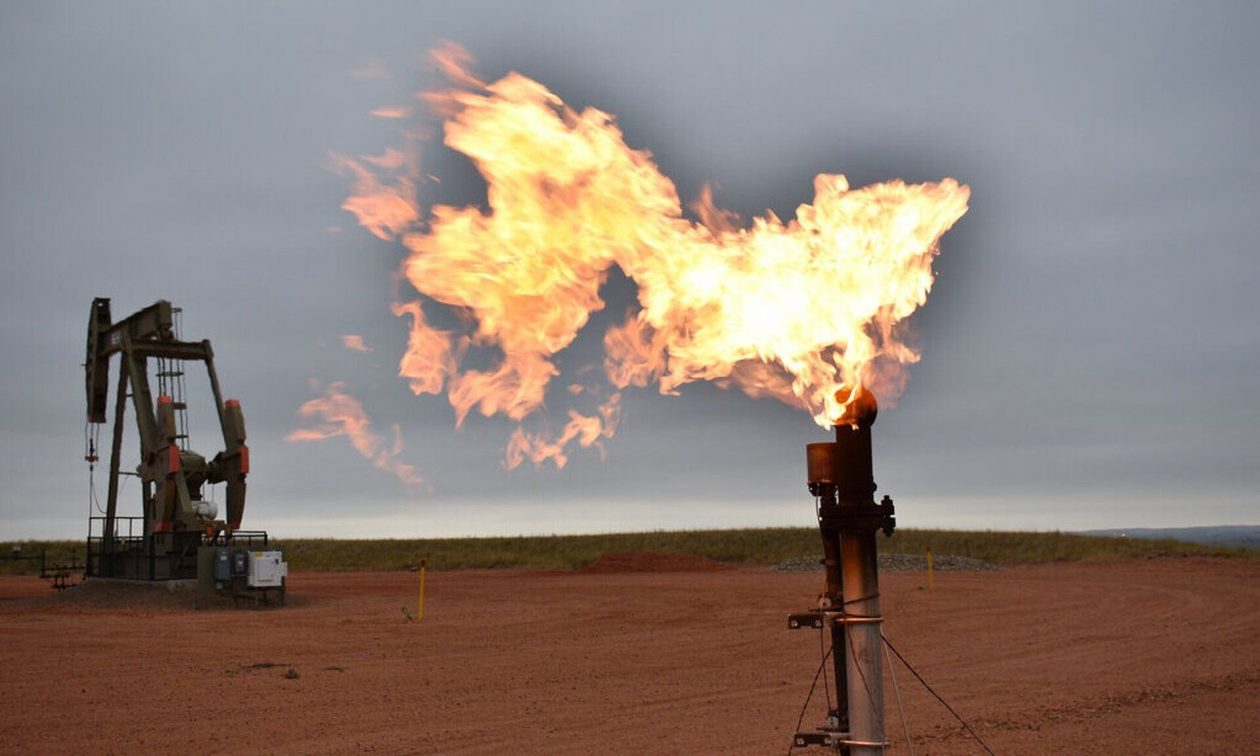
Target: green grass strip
747 546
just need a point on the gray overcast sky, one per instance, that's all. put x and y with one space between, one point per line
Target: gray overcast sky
1090 349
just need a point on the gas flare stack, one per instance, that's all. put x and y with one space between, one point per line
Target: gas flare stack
841 480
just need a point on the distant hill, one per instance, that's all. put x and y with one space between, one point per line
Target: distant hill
1236 536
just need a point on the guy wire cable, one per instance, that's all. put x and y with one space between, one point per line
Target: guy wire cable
901 710
919 677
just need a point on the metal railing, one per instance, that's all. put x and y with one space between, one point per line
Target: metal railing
129 554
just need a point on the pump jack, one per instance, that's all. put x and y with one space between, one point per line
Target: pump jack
177 520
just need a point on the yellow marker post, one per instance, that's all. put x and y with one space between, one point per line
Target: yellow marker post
420 610
931 580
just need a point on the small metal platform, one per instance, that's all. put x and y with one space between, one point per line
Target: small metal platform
814 620
824 738
811 620
832 739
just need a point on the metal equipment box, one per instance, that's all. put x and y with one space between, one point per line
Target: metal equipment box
222 566
267 569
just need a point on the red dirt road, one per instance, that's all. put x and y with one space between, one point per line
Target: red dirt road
1141 657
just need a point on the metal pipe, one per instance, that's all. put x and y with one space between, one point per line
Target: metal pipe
863 660
855 491
833 599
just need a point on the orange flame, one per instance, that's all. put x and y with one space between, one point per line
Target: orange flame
382 207
392 112
586 430
792 310
355 343
337 413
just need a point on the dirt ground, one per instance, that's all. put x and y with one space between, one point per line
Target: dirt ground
1140 657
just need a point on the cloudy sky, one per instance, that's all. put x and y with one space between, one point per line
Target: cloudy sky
1090 350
